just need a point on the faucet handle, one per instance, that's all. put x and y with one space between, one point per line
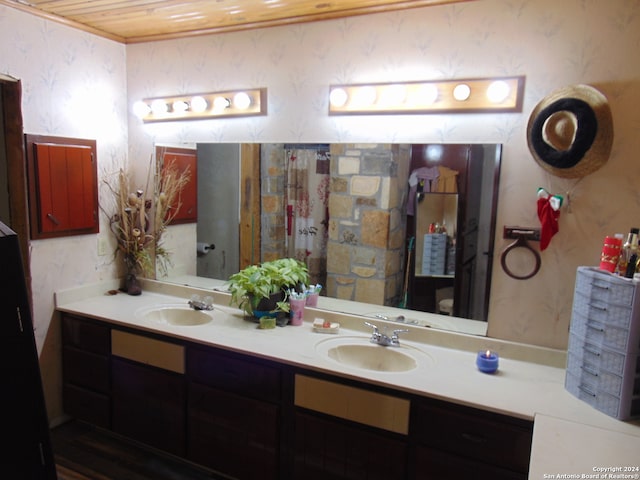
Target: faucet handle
375 327
403 330
395 340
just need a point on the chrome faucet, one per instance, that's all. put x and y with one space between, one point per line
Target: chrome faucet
198 303
381 338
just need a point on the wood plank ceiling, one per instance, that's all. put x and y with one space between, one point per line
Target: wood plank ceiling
134 21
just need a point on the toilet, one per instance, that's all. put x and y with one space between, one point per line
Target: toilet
445 306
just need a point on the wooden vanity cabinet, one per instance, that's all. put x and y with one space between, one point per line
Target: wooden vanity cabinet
453 442
233 414
246 418
149 405
326 448
86 388
148 389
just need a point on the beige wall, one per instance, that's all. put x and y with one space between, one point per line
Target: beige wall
77 84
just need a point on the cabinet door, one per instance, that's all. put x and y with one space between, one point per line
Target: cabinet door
149 405
326 449
430 464
232 434
63 186
469 433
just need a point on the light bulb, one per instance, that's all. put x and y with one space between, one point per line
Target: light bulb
198 104
393 95
498 91
159 107
241 101
221 103
141 109
461 92
423 95
180 106
338 97
364 96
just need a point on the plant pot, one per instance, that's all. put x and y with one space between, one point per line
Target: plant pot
266 307
269 304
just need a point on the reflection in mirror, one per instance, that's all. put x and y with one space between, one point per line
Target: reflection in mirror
475 204
436 217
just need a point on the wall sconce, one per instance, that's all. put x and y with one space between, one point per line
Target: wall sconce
234 103
473 95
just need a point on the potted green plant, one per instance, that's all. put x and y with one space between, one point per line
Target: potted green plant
263 288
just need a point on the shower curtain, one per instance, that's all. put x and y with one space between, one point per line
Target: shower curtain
307 207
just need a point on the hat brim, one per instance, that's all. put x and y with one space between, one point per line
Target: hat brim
594 136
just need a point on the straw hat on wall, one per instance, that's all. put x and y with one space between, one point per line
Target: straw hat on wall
570 132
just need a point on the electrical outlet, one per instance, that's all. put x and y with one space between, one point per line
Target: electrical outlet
103 246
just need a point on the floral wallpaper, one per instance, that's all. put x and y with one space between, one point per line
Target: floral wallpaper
552 43
73 85
76 84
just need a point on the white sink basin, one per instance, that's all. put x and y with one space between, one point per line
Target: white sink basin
358 352
179 315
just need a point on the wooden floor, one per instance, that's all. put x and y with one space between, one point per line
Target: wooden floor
85 453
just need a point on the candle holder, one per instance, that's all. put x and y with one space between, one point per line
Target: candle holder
487 361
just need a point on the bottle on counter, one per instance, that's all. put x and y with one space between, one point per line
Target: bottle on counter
611 250
629 255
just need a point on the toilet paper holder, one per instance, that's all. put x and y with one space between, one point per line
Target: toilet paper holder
204 248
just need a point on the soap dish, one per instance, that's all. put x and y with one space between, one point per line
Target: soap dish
321 326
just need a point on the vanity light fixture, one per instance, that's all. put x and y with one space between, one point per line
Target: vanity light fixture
472 95
233 103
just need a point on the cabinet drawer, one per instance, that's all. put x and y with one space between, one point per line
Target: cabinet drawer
605 359
600 334
601 286
85 335
86 405
607 313
484 436
431 463
232 374
594 376
149 351
85 369
593 395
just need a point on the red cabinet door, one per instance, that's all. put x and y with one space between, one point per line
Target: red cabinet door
62 186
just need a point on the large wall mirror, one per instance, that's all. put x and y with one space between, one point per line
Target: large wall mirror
462 213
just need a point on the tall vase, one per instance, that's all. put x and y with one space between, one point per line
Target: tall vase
132 285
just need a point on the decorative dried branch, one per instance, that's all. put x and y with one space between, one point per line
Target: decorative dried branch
140 220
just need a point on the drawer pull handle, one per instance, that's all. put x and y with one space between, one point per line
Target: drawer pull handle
592 350
590 371
586 390
474 438
598 329
598 307
597 285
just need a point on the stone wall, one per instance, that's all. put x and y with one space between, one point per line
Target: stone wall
272 217
367 222
365 252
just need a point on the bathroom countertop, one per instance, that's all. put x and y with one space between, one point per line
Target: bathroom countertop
529 383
